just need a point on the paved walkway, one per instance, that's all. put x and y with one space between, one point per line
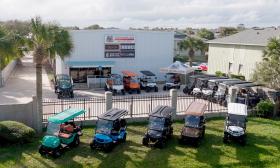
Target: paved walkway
21 85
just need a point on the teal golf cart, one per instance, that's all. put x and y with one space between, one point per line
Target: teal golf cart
62 133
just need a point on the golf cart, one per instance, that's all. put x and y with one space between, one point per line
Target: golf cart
235 123
63 86
192 82
221 94
160 127
194 127
212 87
131 82
203 83
148 81
110 130
172 81
114 84
62 133
247 95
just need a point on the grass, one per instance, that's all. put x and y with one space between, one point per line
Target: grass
263 150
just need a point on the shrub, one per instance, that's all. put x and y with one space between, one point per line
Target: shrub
265 108
241 77
220 74
15 132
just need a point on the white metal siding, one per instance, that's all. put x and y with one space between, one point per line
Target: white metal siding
220 55
153 50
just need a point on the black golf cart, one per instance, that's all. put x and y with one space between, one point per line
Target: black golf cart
191 82
194 127
235 123
110 130
247 95
160 127
148 81
172 81
63 86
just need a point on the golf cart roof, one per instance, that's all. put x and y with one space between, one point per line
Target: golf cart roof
66 115
237 81
196 109
211 77
148 73
237 109
245 85
221 80
201 75
59 76
113 114
129 73
116 76
162 111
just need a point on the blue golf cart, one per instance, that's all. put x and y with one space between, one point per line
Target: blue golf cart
110 130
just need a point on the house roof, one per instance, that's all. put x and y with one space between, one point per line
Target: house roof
254 37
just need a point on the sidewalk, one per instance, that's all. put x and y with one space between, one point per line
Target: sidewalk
21 85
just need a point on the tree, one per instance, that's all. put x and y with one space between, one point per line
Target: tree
93 27
192 44
46 40
206 34
227 31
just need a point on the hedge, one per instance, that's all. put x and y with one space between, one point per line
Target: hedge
265 108
15 132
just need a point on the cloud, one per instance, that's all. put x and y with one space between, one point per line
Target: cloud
140 13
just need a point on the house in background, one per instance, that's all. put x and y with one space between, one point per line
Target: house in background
239 53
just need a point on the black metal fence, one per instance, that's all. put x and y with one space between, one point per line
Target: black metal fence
138 106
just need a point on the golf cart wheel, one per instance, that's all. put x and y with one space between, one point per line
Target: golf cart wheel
108 147
164 88
203 133
145 141
124 138
76 141
105 88
130 91
156 89
225 138
161 143
114 92
178 87
56 153
138 91
41 150
242 141
123 92
58 96
185 90
147 89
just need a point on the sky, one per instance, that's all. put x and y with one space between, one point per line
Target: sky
142 13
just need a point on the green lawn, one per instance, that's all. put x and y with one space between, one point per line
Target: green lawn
263 150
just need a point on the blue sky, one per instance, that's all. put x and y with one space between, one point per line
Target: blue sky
152 13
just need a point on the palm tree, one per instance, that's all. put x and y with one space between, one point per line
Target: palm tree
46 41
6 50
192 44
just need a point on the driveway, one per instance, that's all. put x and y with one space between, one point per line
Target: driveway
21 85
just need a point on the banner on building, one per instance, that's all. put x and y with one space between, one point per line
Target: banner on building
119 46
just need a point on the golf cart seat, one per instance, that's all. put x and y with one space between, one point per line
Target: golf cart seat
64 135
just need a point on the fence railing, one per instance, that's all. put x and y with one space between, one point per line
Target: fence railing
138 106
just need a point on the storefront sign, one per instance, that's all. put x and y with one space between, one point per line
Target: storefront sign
119 46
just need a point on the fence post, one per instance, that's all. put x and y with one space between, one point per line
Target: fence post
108 100
173 95
232 94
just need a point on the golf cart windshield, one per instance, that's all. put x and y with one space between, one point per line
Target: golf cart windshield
156 123
117 81
53 129
211 85
192 121
236 120
151 80
63 77
104 126
134 80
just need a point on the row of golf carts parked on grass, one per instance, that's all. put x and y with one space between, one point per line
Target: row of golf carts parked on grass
62 132
216 89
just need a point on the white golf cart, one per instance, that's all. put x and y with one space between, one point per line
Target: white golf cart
115 84
235 123
148 81
172 81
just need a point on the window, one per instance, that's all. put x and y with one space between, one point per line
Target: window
240 68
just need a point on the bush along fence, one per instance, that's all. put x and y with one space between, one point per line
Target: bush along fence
138 105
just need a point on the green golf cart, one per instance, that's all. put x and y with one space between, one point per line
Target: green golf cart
62 133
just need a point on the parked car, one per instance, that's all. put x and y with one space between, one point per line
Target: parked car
114 84
172 81
110 130
148 81
194 127
160 127
63 86
235 123
62 133
131 82
203 67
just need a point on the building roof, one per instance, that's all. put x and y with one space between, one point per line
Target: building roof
254 37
